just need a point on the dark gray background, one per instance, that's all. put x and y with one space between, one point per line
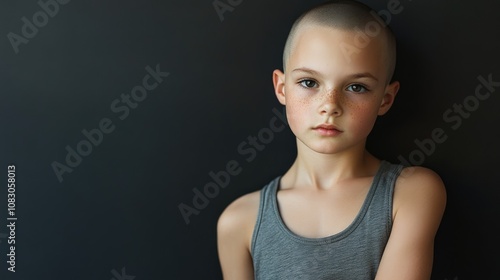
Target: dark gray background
119 207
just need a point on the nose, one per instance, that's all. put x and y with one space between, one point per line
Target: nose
331 103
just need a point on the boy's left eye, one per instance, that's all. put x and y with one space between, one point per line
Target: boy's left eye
357 88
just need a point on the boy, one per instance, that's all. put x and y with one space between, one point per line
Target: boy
338 212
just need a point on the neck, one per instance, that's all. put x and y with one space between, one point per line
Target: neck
323 171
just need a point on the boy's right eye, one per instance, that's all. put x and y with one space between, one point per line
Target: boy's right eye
308 83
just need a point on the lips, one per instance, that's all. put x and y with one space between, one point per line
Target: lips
327 130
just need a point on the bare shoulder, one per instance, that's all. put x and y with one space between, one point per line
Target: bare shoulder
419 186
239 217
420 179
234 233
419 202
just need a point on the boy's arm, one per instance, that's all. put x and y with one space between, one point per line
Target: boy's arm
234 233
419 201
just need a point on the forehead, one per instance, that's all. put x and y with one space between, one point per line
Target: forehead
335 51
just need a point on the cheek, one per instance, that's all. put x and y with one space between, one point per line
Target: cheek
296 110
363 117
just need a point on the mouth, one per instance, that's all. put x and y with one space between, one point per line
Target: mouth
327 130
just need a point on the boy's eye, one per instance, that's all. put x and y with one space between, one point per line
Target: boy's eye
308 83
357 88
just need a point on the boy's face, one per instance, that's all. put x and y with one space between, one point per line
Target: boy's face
328 81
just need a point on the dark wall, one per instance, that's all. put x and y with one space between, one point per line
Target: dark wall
113 210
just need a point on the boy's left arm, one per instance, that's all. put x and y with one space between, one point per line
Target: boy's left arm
419 201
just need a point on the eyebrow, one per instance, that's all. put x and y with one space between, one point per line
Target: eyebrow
353 76
363 75
307 70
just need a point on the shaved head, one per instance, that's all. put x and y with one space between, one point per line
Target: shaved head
346 15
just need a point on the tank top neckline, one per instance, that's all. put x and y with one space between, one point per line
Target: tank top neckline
337 236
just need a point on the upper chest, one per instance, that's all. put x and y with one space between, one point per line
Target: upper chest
320 213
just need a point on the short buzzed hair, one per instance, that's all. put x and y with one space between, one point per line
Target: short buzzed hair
348 15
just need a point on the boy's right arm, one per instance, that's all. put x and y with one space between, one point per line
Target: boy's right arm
234 237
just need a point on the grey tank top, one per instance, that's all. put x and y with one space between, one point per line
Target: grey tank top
351 254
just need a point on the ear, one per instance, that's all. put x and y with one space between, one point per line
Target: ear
279 86
390 94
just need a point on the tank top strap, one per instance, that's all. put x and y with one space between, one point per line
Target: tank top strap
267 194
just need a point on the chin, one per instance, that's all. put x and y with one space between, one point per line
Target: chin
328 151
326 148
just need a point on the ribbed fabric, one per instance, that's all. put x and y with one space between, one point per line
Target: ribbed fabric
351 254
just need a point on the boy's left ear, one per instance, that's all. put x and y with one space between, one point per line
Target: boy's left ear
390 94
